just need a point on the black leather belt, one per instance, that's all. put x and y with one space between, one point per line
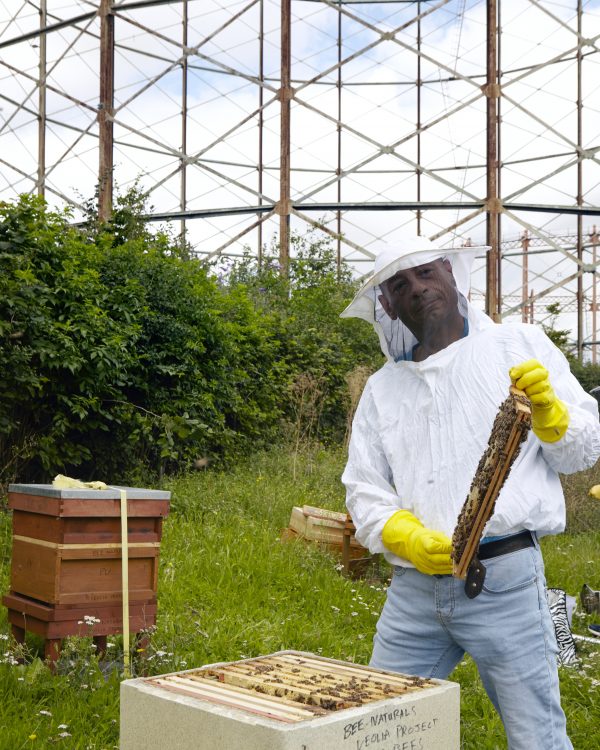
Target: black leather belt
503 546
476 572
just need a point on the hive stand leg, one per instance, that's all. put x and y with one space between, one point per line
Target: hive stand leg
52 648
348 528
18 633
100 643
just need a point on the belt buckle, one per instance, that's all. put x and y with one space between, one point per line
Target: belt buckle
475 578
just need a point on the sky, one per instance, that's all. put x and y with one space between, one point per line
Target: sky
378 111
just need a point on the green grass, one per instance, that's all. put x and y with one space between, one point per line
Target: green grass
229 588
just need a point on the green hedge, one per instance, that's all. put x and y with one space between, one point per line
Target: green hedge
121 355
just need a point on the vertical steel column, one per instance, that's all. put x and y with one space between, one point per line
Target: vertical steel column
285 94
419 87
261 119
594 239
41 175
106 110
492 92
499 151
184 113
339 142
531 304
525 284
579 187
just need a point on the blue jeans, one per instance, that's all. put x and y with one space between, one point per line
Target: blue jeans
428 623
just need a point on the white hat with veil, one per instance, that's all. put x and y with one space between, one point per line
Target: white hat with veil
397 341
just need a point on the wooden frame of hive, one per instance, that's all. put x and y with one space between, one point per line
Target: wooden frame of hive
290 686
509 430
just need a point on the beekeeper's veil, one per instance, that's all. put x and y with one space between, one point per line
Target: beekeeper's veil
397 341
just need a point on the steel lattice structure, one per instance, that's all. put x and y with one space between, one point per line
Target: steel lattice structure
245 121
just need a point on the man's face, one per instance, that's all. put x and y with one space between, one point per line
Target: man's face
421 296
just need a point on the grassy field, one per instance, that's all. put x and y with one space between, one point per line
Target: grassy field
229 588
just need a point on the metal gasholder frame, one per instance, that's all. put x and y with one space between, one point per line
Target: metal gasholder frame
401 176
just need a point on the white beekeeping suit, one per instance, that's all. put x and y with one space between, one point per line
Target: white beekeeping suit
421 427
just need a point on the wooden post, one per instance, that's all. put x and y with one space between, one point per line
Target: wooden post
349 530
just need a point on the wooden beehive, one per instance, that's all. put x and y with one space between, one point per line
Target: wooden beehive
67 544
66 561
328 528
54 623
291 687
289 700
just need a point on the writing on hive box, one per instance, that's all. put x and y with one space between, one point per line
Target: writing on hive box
390 729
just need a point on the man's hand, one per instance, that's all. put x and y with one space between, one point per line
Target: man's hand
549 416
428 550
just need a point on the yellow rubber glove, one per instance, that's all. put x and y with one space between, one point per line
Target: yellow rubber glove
428 550
61 482
549 416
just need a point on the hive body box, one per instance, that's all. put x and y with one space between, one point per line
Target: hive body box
66 559
157 715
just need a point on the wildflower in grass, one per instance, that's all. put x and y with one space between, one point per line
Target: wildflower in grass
62 735
63 726
3 637
32 737
43 712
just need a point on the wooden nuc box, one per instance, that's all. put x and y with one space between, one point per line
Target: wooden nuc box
66 561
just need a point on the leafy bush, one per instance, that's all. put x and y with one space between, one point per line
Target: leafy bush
121 355
65 343
587 374
316 345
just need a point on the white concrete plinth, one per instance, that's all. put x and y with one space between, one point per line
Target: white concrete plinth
155 718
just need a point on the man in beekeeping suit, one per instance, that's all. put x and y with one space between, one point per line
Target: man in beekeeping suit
422 424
